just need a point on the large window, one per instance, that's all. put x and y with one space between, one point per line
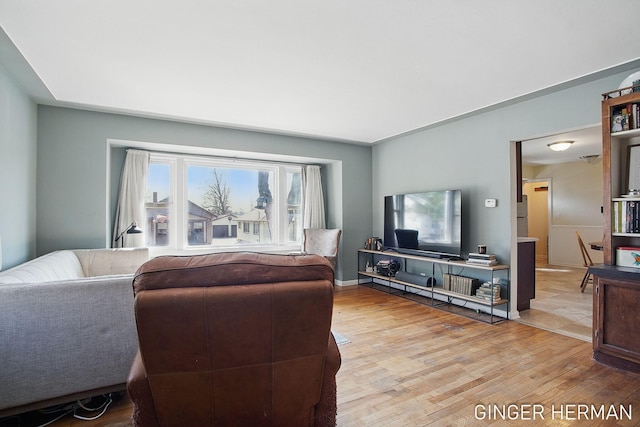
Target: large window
205 202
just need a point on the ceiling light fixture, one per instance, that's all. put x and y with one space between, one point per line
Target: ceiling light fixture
560 145
590 158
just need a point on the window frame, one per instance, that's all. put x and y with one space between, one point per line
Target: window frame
179 210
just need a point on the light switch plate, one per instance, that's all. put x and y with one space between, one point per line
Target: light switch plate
490 203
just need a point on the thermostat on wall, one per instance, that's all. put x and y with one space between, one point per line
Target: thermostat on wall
490 203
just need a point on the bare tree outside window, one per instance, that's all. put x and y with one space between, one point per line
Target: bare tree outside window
222 203
265 192
216 197
294 206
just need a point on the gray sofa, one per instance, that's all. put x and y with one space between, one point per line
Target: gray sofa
67 328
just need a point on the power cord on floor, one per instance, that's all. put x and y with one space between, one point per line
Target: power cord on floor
102 408
73 408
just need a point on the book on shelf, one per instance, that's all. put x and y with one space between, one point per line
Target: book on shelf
488 292
488 289
476 255
625 117
479 261
459 284
488 298
625 217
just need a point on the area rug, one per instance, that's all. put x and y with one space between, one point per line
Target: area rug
340 339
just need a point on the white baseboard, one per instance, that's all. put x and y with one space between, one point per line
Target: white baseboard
346 282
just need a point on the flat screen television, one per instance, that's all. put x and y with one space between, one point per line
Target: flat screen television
427 223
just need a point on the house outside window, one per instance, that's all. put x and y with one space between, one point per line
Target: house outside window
294 205
196 202
158 202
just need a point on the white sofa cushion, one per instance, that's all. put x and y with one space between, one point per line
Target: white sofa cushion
106 262
54 266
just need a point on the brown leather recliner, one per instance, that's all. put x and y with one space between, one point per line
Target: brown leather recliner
234 339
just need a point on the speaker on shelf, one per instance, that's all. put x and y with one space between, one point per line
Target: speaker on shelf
416 279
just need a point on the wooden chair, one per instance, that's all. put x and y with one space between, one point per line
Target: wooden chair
586 258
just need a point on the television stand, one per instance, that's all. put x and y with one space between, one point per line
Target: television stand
432 290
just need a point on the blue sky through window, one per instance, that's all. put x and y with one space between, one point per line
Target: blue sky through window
192 178
242 184
158 180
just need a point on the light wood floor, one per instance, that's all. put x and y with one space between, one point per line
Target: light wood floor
559 305
412 365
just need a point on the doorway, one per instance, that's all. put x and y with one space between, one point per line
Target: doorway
563 192
538 194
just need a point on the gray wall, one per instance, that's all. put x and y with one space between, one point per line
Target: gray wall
17 173
73 186
473 153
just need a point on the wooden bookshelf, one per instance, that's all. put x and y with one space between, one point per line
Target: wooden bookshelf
616 289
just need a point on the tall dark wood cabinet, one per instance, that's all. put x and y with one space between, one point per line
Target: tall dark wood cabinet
526 273
616 289
616 317
618 111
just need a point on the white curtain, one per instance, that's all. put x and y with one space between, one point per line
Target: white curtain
130 207
313 198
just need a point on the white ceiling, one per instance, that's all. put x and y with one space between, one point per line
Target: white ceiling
355 71
586 142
